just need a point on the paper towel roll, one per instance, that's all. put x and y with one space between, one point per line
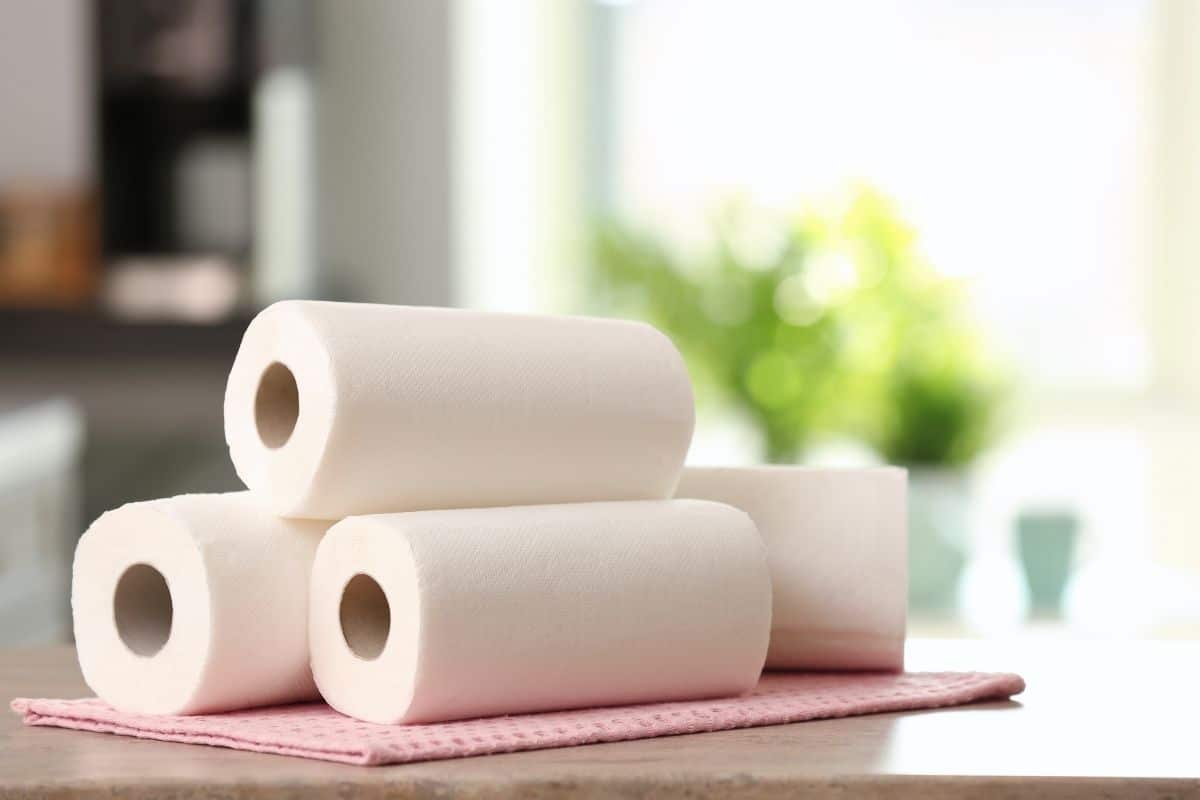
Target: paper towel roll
837 544
335 409
194 604
439 615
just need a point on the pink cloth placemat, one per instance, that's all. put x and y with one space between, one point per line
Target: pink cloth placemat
317 731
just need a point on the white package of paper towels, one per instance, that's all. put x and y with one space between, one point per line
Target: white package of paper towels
837 541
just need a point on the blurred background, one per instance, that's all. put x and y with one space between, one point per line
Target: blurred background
957 236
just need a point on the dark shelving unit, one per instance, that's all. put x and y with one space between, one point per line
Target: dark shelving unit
153 101
89 334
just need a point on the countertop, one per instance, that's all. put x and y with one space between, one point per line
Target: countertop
1099 719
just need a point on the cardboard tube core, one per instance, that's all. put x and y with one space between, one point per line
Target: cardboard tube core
142 609
366 617
276 405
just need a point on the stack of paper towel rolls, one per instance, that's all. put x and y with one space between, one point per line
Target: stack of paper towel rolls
455 514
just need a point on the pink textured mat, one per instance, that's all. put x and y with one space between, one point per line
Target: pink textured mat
316 731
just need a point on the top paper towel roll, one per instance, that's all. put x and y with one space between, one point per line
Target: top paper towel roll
336 409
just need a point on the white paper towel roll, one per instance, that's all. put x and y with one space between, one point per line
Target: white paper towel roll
837 544
439 615
336 409
195 604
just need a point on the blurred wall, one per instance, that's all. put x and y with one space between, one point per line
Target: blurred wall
522 135
1171 413
47 132
383 149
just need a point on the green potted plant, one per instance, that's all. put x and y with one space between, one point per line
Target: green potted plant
839 327
927 393
747 343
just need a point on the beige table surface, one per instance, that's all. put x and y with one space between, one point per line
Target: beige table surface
1098 720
